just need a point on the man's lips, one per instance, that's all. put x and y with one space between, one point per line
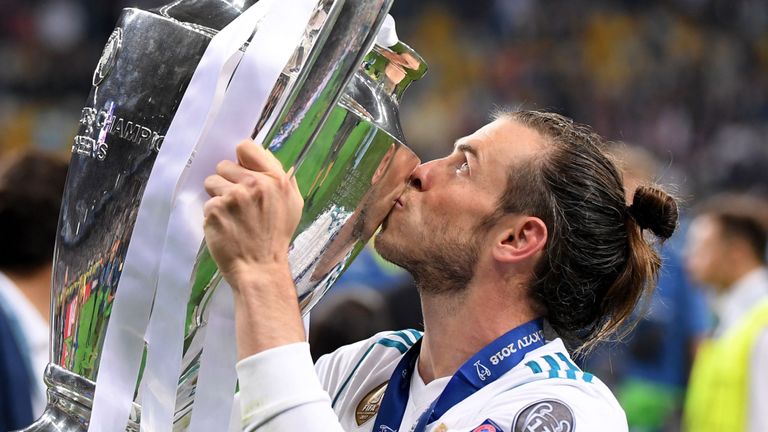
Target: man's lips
398 203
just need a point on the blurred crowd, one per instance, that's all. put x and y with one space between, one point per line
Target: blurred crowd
686 79
684 83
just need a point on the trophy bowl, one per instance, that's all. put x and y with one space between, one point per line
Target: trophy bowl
333 115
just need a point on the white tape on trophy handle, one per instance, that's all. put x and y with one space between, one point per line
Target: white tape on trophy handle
124 341
216 383
217 377
278 33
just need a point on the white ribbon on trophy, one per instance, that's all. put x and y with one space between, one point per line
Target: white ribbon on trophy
268 52
124 341
217 376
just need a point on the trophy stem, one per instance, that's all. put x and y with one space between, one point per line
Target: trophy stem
57 417
70 398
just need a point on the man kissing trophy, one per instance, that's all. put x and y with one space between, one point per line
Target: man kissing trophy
141 329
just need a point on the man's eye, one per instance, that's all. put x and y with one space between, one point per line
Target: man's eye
464 167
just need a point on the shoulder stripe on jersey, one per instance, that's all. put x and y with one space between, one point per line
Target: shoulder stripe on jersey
535 368
554 367
402 340
351 374
416 334
572 369
557 370
405 339
392 344
405 336
567 361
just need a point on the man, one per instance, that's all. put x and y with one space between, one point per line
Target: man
523 223
31 186
727 251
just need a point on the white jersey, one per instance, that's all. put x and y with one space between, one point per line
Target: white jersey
546 391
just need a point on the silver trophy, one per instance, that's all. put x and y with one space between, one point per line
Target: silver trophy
334 116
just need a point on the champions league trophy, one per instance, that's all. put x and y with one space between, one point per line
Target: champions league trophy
332 114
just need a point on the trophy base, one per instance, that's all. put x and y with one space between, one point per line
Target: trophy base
70 398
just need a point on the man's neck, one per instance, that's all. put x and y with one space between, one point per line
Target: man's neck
36 287
741 269
458 325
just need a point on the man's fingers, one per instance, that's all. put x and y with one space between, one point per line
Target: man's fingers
232 171
210 207
254 157
217 185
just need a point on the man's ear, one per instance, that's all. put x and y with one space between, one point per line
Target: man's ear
524 237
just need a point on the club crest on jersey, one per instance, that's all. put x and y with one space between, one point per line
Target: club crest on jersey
482 371
547 415
488 426
369 405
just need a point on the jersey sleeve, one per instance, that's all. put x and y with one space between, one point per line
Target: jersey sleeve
279 390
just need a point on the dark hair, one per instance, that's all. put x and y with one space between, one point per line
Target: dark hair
740 216
597 264
31 187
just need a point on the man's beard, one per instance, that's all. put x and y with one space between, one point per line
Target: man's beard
440 263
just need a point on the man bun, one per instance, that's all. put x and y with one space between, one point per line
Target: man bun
655 210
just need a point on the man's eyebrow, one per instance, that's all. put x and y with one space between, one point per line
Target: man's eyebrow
464 147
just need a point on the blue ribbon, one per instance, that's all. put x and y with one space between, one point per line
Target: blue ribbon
485 367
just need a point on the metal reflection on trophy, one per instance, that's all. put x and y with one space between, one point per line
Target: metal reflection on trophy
336 119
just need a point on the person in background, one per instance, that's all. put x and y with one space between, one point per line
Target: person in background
649 372
31 186
356 313
727 250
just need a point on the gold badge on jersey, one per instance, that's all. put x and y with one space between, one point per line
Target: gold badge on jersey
370 404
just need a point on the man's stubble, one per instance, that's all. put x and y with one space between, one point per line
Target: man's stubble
440 259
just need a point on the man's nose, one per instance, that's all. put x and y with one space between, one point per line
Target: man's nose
420 176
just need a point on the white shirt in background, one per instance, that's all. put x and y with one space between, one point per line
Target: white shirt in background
35 332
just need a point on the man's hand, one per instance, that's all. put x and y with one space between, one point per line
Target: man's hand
254 210
249 221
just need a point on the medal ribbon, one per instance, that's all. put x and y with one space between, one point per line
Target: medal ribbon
485 367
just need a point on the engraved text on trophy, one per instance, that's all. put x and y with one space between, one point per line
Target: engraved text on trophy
108 124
